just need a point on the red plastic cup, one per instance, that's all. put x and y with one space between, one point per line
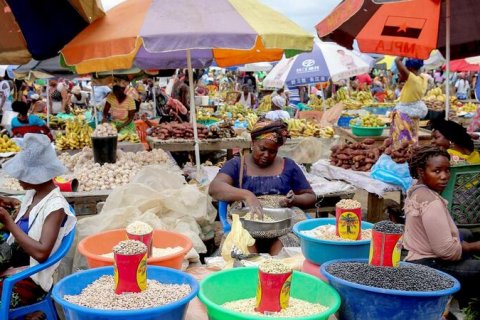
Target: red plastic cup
385 249
273 291
66 185
349 223
147 239
130 272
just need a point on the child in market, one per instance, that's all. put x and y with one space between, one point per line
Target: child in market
431 236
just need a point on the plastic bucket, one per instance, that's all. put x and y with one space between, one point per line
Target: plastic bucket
241 283
92 248
320 251
364 302
66 185
104 149
75 283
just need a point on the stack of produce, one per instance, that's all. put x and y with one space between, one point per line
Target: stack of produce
265 104
435 100
315 102
359 156
367 120
93 176
129 137
234 110
174 130
55 123
204 115
364 97
8 145
470 107
105 130
399 155
308 128
77 135
221 130
251 119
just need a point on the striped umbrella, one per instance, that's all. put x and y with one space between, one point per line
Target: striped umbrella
167 34
39 29
157 34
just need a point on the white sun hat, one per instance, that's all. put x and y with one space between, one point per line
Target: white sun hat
37 162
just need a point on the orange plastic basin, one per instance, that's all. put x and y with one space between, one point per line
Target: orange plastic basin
92 247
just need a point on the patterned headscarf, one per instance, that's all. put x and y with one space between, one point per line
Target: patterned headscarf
275 131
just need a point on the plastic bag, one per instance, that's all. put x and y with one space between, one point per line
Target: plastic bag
238 240
389 171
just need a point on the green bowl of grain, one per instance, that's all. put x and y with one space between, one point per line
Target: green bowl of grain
236 285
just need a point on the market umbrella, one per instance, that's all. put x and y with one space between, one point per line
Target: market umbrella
463 65
408 28
166 34
256 67
39 29
327 61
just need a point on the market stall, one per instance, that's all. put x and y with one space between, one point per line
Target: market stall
376 189
346 135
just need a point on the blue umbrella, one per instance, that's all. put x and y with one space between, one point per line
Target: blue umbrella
326 61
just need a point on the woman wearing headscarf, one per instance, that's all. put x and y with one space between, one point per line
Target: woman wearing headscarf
278 103
78 98
454 138
120 109
411 108
44 218
263 173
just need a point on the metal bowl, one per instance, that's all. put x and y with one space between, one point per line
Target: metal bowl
264 229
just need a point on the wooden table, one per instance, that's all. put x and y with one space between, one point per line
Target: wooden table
347 136
360 180
175 145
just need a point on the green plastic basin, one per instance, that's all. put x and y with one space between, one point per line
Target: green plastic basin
367 131
241 283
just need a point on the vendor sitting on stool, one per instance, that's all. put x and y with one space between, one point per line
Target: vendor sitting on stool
24 123
121 108
265 174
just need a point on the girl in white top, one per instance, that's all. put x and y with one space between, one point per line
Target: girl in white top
44 217
246 98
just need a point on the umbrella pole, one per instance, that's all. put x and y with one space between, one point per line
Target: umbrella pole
154 94
193 115
48 103
447 44
95 115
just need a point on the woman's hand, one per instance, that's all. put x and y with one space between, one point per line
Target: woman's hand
287 202
7 202
255 206
5 217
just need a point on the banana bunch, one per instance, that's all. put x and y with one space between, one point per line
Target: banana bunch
78 111
251 119
265 104
54 122
8 145
315 102
129 137
77 135
364 97
342 94
435 92
304 128
205 115
235 109
470 107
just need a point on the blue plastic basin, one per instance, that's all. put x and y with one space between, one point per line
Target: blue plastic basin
320 251
361 302
76 282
